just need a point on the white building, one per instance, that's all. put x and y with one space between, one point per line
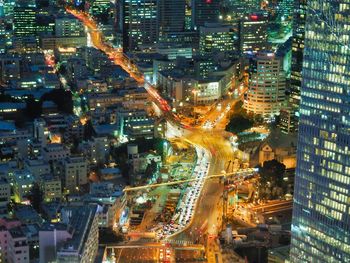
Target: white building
55 152
75 172
37 167
50 187
267 86
14 245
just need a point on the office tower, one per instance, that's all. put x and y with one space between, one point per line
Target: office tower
253 33
68 26
2 10
45 25
239 8
188 16
217 37
297 54
99 8
24 20
285 11
137 22
205 11
267 85
321 215
171 16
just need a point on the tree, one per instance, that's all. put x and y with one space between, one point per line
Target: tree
33 108
151 169
271 183
62 98
239 123
36 197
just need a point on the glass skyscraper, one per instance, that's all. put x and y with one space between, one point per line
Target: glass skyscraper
297 55
321 215
137 21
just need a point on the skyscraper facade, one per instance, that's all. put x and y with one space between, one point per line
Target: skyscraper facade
138 23
253 33
267 85
171 16
24 20
297 52
205 11
321 215
217 37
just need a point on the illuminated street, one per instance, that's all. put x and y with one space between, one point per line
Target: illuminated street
202 210
174 131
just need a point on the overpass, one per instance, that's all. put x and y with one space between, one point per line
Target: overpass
175 244
239 175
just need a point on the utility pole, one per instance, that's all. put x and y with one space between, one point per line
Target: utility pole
224 204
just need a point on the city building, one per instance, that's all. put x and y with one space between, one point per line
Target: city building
205 11
267 85
99 8
253 33
5 194
138 23
83 245
24 19
39 131
75 173
321 225
74 239
55 152
171 16
217 37
22 182
297 56
237 9
96 150
37 167
280 147
10 67
287 122
135 124
76 69
68 26
14 244
50 187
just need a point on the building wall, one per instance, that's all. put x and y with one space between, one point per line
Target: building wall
49 241
75 172
267 85
321 212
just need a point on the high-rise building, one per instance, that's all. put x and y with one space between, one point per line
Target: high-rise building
205 11
321 214
99 7
297 54
138 22
24 20
68 26
239 8
253 33
267 85
217 37
171 16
